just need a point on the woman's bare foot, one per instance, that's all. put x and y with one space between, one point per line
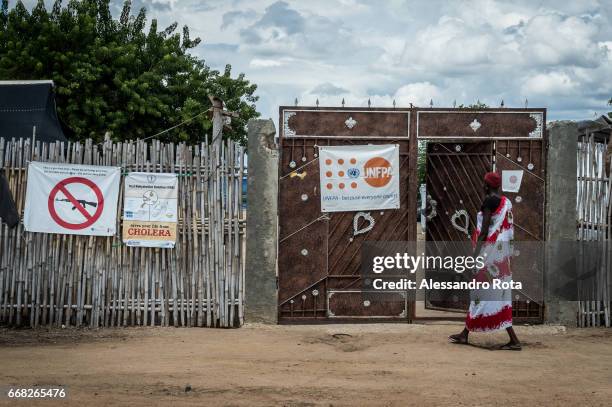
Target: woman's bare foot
460 338
512 346
514 343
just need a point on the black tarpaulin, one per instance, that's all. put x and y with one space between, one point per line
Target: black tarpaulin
8 210
25 104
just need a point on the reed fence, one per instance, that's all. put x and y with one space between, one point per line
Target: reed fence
594 215
55 280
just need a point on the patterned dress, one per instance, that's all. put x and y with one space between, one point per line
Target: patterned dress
491 309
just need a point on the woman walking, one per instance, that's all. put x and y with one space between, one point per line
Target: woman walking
491 309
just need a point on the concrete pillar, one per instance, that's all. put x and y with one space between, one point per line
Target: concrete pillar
261 298
560 216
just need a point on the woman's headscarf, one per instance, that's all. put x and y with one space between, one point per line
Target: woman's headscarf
492 179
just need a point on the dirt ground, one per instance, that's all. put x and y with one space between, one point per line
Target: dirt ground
329 365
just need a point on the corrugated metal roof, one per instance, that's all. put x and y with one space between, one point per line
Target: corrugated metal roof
600 127
33 82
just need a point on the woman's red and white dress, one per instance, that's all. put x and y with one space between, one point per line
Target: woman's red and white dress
491 309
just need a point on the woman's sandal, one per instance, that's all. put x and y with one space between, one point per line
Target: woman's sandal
511 346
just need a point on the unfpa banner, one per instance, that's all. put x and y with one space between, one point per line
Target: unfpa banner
356 178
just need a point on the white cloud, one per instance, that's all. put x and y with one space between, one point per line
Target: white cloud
491 13
419 94
549 84
555 39
329 89
449 45
264 63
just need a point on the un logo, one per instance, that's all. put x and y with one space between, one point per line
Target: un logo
353 172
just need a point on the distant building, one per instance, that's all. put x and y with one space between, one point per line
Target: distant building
25 104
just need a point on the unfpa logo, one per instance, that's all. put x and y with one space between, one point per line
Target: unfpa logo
377 172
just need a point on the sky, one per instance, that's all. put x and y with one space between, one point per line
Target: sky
556 54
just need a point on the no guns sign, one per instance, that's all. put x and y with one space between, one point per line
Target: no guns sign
72 199
77 204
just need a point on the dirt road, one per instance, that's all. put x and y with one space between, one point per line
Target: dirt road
386 364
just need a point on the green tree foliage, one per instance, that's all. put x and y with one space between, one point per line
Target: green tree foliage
116 75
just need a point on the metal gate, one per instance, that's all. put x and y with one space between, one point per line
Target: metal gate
453 178
319 260
594 222
464 145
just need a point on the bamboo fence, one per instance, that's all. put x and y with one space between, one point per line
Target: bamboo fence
594 215
56 280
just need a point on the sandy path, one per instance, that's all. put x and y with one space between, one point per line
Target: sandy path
382 364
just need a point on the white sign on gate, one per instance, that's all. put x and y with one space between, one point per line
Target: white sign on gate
71 199
355 178
511 180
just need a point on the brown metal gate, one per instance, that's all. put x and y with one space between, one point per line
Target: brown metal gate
319 261
464 145
454 181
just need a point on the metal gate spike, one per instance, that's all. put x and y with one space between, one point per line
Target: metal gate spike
369 103
431 103
296 101
317 102
394 103
342 102
502 103
526 103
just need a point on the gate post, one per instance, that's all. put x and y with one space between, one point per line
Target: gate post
560 216
261 298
